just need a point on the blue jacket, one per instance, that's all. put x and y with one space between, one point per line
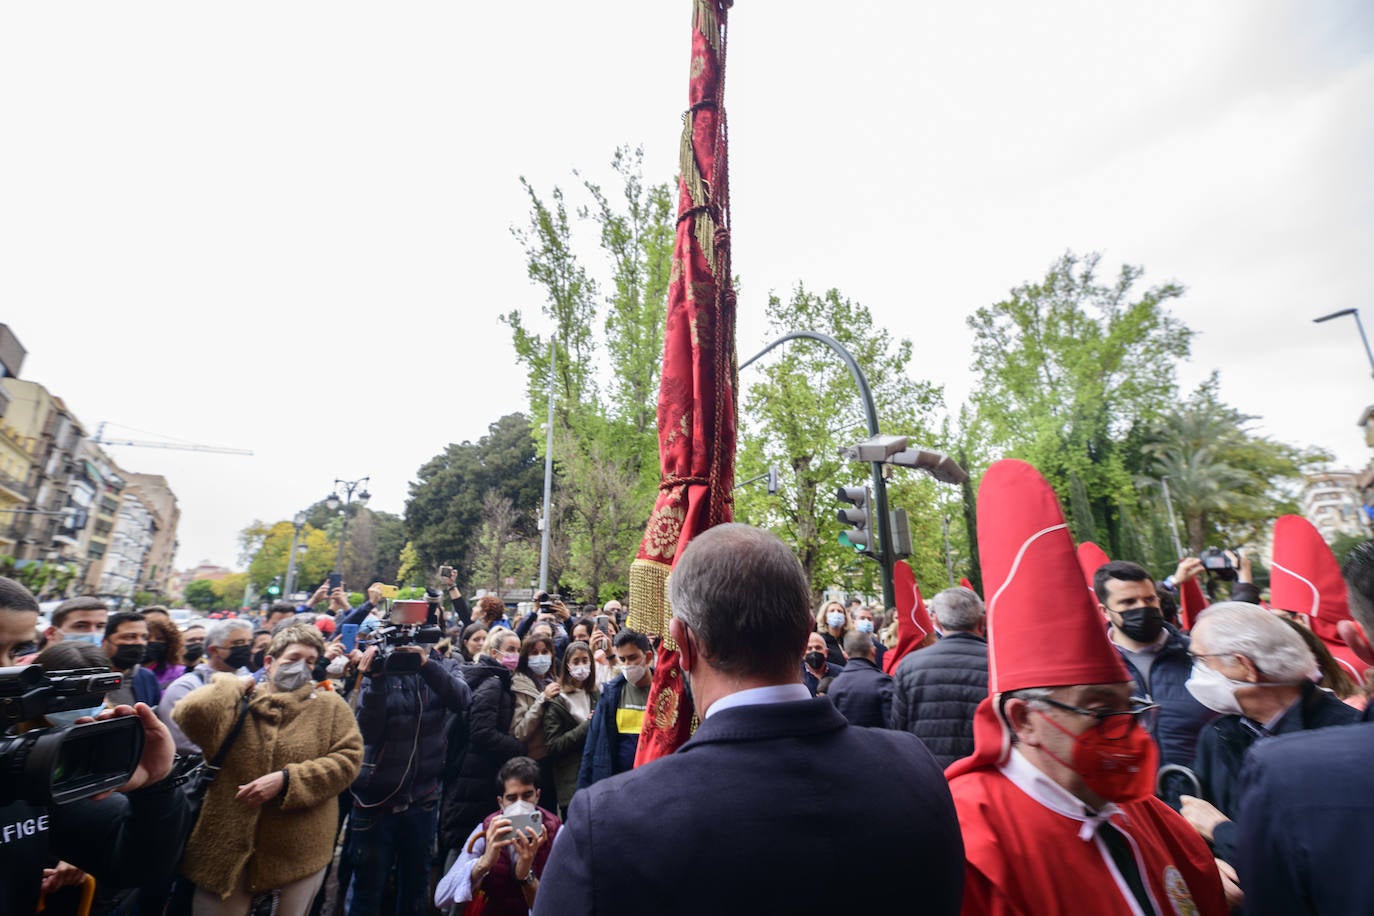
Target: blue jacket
1305 821
402 721
146 688
598 755
863 694
725 824
936 691
1181 718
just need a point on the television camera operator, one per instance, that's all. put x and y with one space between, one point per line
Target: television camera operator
407 691
94 794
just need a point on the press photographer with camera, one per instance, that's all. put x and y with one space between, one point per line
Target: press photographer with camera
95 793
406 692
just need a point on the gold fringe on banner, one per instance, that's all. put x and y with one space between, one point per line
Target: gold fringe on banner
649 607
706 22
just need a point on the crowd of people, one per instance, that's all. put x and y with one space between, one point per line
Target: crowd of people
1092 739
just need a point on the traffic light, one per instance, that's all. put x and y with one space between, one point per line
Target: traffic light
274 588
860 536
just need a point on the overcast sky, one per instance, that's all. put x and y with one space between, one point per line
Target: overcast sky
285 226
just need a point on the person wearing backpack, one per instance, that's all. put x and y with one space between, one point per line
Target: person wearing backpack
228 647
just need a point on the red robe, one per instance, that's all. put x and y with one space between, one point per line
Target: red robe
1027 858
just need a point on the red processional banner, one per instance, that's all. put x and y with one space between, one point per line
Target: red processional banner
697 392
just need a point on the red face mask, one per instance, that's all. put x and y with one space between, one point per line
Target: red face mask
1120 769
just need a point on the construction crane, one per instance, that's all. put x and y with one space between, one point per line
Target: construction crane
182 446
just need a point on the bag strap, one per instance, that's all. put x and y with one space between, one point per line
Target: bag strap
223 751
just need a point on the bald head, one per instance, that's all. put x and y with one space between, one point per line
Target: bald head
743 594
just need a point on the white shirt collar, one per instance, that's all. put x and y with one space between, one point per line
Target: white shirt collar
1028 778
758 696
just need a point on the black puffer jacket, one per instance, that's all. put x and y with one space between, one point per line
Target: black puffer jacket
470 779
398 715
936 691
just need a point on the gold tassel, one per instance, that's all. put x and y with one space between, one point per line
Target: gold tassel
649 609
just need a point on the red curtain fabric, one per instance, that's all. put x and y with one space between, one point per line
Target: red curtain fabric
696 400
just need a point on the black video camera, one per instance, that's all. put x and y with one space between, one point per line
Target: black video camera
408 625
1218 562
54 766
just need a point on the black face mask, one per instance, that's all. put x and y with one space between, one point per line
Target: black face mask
1143 624
254 660
155 652
239 657
193 652
126 656
815 660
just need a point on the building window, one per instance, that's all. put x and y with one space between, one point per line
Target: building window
96 551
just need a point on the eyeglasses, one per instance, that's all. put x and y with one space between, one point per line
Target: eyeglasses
1114 723
1200 655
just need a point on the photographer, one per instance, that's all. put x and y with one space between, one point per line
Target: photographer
122 839
500 864
402 704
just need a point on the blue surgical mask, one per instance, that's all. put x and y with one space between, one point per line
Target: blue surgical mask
835 619
863 626
69 716
540 664
91 638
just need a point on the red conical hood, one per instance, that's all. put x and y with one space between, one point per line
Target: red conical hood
1043 629
1091 558
913 623
1306 578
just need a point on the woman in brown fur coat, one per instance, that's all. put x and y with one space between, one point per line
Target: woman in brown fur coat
269 819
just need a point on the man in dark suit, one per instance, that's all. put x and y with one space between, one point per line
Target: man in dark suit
725 824
1306 812
863 692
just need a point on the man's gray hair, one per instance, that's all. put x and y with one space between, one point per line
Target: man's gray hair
1237 628
958 609
217 634
744 596
856 643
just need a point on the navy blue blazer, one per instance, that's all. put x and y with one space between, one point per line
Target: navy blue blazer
736 820
1305 823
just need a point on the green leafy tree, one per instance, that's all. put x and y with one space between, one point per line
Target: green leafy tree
201 595
503 551
805 410
1072 370
1226 482
636 239
412 566
271 548
444 511
230 589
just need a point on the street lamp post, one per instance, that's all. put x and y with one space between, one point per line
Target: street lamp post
340 498
1354 313
297 524
544 520
886 557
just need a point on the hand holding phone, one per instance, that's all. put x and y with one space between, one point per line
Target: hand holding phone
335 580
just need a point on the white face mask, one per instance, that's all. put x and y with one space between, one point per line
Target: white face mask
580 672
1215 690
540 664
634 673
518 807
